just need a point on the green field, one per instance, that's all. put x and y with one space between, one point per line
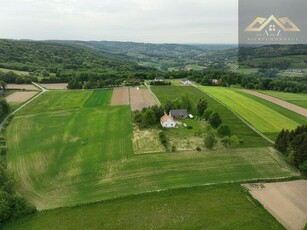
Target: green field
295 98
251 138
14 71
196 208
75 156
64 100
265 119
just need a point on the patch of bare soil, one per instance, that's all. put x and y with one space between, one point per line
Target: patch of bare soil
141 98
20 96
277 101
120 96
21 87
286 201
57 86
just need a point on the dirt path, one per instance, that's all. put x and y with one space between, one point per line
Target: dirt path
43 90
277 101
57 86
286 201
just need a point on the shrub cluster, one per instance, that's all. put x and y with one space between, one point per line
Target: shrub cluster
148 117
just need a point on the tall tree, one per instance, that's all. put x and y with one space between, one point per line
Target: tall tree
202 106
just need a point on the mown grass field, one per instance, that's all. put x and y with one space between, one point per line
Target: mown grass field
196 208
251 138
295 98
266 119
300 119
64 100
76 156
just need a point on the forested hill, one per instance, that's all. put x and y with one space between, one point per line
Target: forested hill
59 58
160 56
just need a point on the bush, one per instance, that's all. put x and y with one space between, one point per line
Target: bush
163 139
234 141
223 130
303 167
226 141
207 114
215 120
210 140
21 207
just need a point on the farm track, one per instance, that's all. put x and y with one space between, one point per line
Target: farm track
279 102
43 90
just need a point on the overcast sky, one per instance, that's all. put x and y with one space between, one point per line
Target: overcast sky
157 21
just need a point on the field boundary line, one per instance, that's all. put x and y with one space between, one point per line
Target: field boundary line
238 116
287 105
43 90
154 95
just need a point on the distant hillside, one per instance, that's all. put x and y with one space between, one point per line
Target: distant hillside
279 57
160 56
58 58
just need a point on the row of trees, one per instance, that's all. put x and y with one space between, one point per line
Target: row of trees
222 130
12 205
13 78
293 144
227 78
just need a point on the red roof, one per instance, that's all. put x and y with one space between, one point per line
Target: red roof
165 118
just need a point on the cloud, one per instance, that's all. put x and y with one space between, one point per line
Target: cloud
184 21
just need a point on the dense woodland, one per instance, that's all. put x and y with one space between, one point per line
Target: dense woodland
293 144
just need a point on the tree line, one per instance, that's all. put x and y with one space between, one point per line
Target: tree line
12 204
227 78
293 144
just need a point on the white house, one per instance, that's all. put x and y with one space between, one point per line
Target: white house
168 122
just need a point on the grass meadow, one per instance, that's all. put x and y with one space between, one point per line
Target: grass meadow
294 98
263 117
64 100
67 155
194 208
250 137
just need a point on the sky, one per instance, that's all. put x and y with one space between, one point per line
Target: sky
153 21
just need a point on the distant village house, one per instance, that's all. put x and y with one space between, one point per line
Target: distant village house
185 81
159 79
215 81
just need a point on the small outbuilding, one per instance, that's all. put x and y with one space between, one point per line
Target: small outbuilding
159 79
179 113
185 81
168 121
